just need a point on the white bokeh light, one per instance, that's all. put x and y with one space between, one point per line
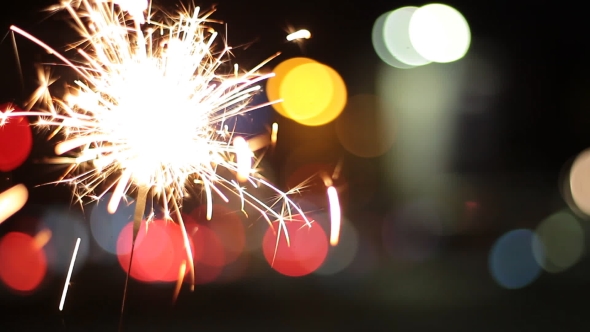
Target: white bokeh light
397 37
439 33
378 38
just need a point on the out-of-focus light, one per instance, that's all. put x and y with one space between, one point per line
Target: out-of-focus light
273 84
227 226
12 200
22 264
313 94
363 129
310 93
16 139
439 33
421 104
380 47
305 252
335 216
42 238
562 240
413 233
65 227
342 255
106 227
396 37
209 253
511 261
579 180
300 34
158 253
274 134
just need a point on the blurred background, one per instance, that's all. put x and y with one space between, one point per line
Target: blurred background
454 135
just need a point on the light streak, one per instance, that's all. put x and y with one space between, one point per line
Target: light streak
42 238
274 134
335 216
244 158
69 276
181 273
300 34
12 200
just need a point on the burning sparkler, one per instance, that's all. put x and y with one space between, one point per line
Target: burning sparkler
150 109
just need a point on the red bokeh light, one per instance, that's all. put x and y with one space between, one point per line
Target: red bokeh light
208 251
305 254
22 264
159 251
227 226
16 140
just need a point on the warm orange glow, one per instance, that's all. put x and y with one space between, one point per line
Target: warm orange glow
274 134
12 200
42 238
335 216
181 274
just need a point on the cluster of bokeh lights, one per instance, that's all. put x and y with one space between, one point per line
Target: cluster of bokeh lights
410 37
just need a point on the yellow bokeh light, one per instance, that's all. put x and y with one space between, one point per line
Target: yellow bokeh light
307 91
336 105
273 84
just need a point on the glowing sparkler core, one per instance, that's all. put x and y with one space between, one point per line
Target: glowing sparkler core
151 107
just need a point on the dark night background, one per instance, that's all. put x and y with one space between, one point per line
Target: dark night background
506 160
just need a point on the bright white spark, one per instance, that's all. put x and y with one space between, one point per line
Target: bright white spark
69 276
300 34
335 216
244 158
150 107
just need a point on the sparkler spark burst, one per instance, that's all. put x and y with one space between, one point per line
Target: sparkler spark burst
150 109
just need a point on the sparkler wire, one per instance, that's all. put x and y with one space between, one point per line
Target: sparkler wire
140 203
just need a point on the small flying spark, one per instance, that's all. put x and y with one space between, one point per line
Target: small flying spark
150 110
300 34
